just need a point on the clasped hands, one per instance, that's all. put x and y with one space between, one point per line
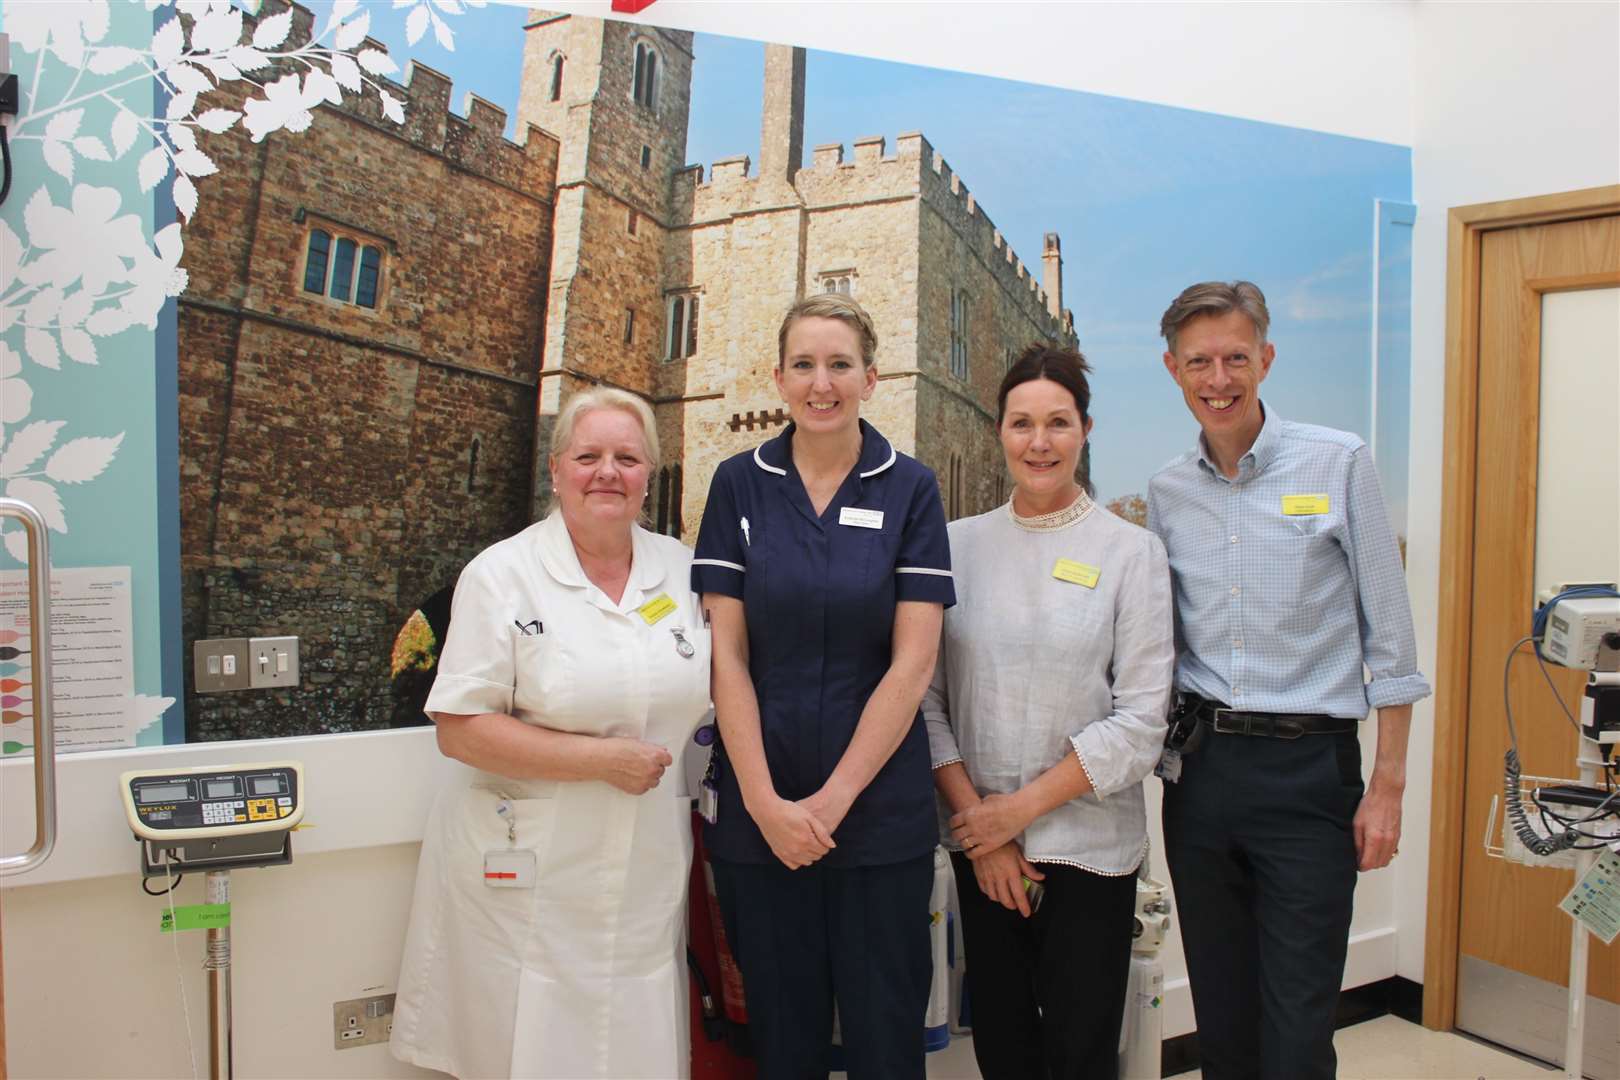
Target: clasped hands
799 833
986 831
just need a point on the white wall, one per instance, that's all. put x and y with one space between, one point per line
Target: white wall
1510 100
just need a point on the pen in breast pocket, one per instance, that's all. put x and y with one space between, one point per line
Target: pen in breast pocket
747 541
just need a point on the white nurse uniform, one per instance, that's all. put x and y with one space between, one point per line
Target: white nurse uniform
583 973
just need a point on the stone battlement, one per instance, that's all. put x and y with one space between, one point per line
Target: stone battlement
474 142
914 170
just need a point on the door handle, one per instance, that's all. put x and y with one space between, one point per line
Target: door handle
39 642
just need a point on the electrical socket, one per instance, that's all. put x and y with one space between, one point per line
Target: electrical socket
362 1021
219 664
272 662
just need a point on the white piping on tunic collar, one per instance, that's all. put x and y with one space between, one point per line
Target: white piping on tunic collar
761 462
885 465
783 472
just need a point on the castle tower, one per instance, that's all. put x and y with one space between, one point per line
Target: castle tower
781 128
1052 274
617 95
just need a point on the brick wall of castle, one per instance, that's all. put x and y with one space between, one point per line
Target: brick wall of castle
329 478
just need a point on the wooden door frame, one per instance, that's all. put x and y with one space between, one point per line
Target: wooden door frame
1466 228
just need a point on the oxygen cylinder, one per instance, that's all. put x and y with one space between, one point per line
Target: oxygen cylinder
937 1020
1142 1033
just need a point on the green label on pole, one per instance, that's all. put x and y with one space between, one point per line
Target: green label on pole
198 917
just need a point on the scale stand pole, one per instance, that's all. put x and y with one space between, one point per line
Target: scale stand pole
1590 766
217 963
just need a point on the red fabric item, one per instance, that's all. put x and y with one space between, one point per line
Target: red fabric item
713 1060
630 7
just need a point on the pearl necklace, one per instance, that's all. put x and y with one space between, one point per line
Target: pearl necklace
1057 519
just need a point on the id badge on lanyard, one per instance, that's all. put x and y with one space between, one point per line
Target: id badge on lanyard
510 867
708 803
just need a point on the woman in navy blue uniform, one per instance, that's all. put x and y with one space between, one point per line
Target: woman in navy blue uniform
825 570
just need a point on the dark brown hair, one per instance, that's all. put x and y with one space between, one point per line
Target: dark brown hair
1066 367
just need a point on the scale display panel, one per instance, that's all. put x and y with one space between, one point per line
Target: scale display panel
212 800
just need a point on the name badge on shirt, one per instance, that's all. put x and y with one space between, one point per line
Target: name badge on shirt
509 869
656 608
1076 573
1304 505
861 519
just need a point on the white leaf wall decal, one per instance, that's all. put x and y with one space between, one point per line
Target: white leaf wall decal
42 349
27 445
218 120
79 460
125 127
377 62
17 545
78 345
64 125
272 31
60 158
185 196
111 60
354 32
44 498
154 167
168 43
88 146
416 24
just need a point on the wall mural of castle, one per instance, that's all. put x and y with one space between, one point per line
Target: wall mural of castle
382 322
383 317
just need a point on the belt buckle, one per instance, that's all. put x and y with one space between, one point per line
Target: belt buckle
1230 722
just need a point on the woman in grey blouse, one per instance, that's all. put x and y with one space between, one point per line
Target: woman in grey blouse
1047 711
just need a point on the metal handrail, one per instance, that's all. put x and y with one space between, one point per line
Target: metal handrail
39 641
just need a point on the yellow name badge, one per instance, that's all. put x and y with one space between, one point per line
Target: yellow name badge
1076 573
1304 505
656 608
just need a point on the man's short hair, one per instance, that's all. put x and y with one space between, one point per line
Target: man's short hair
1216 298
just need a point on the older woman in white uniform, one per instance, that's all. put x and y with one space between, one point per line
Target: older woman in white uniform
546 932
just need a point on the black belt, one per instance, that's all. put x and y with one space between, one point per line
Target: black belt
1228 721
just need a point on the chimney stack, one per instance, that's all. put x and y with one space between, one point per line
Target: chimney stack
781 132
1052 276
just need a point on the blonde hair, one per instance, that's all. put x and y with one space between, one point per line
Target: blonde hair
606 397
830 306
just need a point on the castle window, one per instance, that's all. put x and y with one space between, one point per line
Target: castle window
633 221
669 501
959 333
842 282
646 155
342 267
629 326
953 493
557 77
682 331
644 90
472 464
320 243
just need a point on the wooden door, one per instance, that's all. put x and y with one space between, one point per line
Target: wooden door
1509 923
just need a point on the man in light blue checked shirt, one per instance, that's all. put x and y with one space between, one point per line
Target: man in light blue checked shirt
1292 622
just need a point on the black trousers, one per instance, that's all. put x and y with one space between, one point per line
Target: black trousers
1259 842
1048 992
804 937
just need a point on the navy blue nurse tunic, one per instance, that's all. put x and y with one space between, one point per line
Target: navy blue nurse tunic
819 592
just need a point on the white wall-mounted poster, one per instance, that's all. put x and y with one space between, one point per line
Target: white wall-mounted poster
92 666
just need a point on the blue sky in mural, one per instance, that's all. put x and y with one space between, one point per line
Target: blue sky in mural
1146 198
